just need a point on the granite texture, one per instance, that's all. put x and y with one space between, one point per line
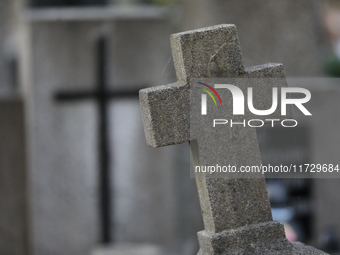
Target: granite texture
197 54
267 238
194 50
235 207
166 123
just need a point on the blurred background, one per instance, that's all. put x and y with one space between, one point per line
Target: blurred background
76 175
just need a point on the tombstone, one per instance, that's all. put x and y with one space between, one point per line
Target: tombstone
235 208
315 141
280 31
13 218
82 71
295 202
273 31
324 146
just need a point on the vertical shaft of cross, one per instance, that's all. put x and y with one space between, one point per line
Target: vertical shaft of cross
101 96
209 54
229 201
105 177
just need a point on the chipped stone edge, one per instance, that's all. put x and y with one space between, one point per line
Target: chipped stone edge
279 70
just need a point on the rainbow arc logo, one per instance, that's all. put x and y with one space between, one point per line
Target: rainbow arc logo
208 92
204 97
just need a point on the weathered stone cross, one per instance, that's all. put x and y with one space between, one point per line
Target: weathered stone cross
236 210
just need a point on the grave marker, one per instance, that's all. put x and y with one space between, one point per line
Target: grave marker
236 210
61 76
101 96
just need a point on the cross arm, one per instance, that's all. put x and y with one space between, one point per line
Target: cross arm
166 109
166 114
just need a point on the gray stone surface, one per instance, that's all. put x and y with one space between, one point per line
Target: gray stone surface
13 218
63 174
191 60
193 53
270 31
266 238
234 209
59 54
173 120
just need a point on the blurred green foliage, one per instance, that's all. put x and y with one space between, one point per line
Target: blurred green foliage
332 65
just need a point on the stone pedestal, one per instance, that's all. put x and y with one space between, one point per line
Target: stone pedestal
265 238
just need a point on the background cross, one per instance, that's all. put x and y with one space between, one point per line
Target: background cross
102 96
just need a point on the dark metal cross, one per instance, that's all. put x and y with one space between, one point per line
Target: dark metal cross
102 96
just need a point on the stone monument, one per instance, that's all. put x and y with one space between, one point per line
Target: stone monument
235 208
13 217
82 70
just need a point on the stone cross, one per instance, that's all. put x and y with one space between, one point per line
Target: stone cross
102 96
236 210
67 99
